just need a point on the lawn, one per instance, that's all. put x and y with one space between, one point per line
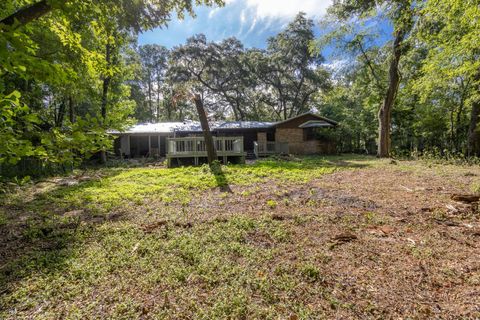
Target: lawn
318 237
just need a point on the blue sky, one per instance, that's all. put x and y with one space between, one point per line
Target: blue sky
251 21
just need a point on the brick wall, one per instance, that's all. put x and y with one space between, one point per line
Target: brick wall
296 144
294 138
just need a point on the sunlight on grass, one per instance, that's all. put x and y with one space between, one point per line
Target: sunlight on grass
136 185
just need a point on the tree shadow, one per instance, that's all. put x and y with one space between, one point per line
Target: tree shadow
220 177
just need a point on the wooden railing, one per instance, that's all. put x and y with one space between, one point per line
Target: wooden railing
262 149
195 146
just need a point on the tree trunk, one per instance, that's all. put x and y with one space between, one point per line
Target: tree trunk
61 114
71 110
158 100
106 86
452 129
473 134
27 14
207 134
385 112
150 106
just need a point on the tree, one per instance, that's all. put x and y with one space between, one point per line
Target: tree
401 14
39 63
154 65
207 134
450 30
353 102
215 68
132 14
290 72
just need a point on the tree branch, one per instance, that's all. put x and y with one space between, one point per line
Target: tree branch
27 14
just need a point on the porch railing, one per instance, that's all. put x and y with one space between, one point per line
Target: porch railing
262 149
195 146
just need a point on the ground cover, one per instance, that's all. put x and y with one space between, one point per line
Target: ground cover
316 237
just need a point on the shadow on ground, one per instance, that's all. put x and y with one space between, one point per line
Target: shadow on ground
41 231
220 178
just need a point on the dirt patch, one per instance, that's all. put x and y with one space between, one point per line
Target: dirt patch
259 239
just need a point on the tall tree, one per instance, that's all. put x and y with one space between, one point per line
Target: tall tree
451 30
290 69
39 66
213 67
154 65
401 15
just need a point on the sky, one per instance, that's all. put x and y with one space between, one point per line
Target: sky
251 21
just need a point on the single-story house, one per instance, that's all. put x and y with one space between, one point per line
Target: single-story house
298 135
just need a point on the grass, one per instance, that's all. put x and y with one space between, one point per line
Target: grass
119 186
158 243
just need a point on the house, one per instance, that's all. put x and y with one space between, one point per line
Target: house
234 139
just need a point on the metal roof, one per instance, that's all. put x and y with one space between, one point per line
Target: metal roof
194 126
242 125
161 127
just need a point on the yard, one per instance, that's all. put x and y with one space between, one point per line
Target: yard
336 237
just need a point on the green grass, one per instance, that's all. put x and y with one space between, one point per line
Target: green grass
121 186
119 255
71 268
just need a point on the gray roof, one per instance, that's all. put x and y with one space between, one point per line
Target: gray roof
312 114
194 126
161 127
242 125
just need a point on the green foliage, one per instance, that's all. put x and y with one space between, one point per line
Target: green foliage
272 204
17 123
252 84
311 272
74 77
64 84
438 94
475 187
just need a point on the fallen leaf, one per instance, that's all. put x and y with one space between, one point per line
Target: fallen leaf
387 229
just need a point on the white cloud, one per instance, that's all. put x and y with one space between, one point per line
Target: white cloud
252 26
242 17
286 8
213 12
243 20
